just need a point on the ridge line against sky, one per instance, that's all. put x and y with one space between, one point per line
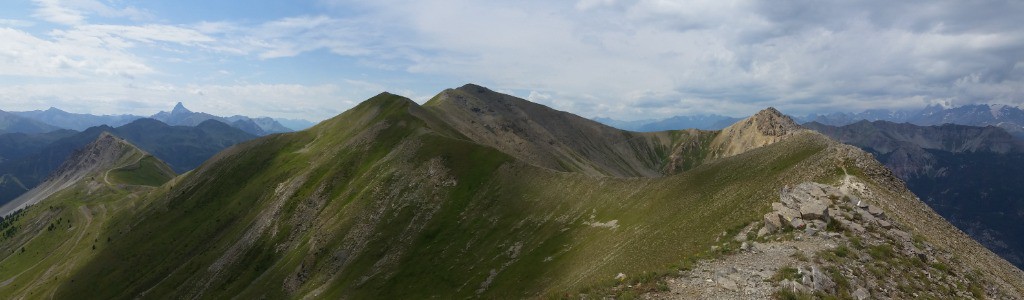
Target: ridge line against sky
627 60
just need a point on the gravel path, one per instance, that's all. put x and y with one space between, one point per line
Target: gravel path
743 275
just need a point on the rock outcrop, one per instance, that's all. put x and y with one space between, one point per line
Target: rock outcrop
828 240
766 127
803 206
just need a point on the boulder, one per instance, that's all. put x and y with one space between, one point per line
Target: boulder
900 234
785 212
797 223
815 191
819 224
866 217
801 197
814 211
852 226
772 222
794 286
832 192
787 199
884 224
876 211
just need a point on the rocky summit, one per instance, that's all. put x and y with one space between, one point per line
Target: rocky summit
477 194
763 128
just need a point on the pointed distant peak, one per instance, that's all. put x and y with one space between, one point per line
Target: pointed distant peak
180 108
770 111
771 122
53 109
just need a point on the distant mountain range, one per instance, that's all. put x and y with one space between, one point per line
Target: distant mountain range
182 147
478 194
1007 117
11 122
39 121
73 121
970 175
184 117
1010 118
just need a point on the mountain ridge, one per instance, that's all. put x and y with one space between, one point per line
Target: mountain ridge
13 123
179 115
967 174
392 199
182 147
106 153
1008 117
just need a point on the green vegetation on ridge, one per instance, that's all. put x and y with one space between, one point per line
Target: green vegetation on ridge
391 200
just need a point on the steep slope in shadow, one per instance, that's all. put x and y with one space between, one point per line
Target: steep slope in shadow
389 201
548 138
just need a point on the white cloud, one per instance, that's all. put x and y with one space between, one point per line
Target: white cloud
726 57
15 23
22 54
644 58
151 33
53 11
590 4
74 12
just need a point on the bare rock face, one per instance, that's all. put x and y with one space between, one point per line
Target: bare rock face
771 122
763 128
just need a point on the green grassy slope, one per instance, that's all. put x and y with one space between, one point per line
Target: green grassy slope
386 201
390 201
549 138
43 245
147 171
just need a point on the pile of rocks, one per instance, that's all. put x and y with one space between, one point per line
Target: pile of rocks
804 207
811 279
864 213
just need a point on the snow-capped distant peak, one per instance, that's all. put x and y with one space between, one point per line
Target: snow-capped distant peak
997 110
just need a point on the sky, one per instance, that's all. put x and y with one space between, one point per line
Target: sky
313 59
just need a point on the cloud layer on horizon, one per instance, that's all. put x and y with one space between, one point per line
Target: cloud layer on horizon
624 59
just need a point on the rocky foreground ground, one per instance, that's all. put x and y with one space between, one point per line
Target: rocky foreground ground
825 241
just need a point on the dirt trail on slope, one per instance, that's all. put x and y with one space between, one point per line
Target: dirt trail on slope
744 275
